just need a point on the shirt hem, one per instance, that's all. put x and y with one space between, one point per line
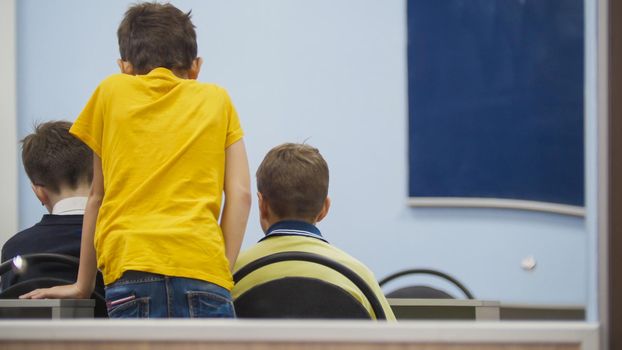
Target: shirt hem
224 283
233 138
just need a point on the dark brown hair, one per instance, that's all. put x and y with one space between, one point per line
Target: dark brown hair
53 158
153 35
293 179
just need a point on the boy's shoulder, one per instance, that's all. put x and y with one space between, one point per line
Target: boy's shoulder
303 244
115 77
208 87
114 80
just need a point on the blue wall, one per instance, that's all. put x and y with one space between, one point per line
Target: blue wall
332 73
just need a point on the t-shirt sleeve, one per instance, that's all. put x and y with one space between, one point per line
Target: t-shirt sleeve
89 126
234 129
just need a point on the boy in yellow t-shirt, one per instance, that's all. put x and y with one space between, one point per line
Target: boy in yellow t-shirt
166 147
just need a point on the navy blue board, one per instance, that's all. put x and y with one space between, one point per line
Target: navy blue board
496 99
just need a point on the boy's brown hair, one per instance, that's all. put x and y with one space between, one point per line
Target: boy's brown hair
53 158
153 35
293 179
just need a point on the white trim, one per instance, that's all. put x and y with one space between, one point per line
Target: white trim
8 120
70 206
232 331
495 203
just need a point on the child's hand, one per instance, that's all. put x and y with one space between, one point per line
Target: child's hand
69 291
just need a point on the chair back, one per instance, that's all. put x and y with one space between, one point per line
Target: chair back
420 291
19 287
302 297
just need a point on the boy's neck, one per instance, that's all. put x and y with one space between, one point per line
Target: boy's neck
179 73
266 224
81 191
182 74
127 67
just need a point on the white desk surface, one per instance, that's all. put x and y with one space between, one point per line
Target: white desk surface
212 330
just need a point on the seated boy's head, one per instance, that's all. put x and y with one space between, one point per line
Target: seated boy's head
57 164
153 35
292 182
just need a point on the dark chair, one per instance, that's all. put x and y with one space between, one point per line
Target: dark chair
420 291
18 288
302 297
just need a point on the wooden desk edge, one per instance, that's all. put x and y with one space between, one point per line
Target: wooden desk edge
277 331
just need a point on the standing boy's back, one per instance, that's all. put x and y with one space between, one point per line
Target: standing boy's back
162 147
166 147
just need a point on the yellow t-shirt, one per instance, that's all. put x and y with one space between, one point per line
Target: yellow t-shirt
162 142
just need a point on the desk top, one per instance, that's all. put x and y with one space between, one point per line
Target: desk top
39 303
231 330
445 309
411 308
441 302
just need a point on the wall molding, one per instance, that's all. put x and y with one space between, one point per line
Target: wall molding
8 120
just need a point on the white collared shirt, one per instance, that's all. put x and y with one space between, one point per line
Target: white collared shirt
70 206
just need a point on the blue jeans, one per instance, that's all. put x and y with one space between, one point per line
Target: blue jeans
147 295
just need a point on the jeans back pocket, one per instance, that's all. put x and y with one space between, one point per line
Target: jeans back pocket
134 308
208 304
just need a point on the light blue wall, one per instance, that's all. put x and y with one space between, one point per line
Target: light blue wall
592 156
332 73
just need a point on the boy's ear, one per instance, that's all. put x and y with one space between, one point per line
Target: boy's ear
195 68
264 212
263 206
125 67
324 210
41 194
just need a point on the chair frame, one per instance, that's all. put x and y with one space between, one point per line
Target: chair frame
321 260
443 275
36 258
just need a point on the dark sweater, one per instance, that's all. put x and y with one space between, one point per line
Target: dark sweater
58 234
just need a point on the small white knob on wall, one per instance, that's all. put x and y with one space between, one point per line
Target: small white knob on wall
528 263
